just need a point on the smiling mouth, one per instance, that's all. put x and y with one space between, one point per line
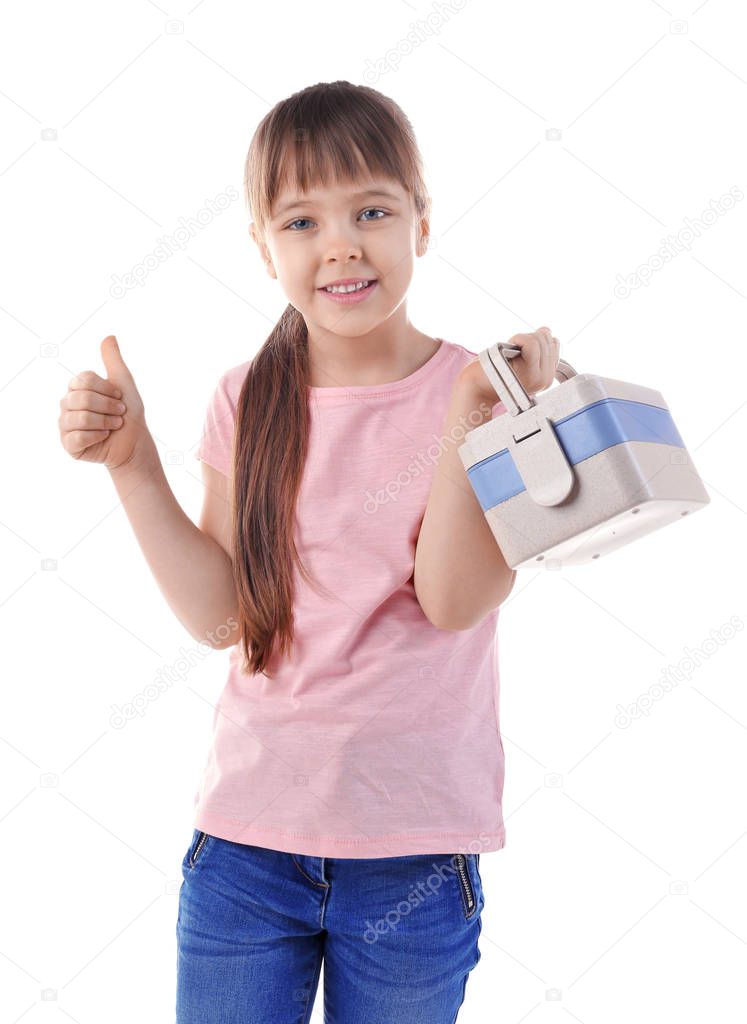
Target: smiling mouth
355 297
348 289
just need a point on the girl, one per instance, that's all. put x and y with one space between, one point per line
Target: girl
356 769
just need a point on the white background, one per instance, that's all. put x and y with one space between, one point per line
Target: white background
621 892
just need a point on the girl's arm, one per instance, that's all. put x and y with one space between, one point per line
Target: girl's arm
193 570
460 572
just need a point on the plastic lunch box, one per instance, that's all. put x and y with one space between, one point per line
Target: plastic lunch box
579 470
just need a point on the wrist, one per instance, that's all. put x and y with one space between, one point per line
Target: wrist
142 461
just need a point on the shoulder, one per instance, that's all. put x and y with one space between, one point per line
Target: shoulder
231 381
456 357
460 355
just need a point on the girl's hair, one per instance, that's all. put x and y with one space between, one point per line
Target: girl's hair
327 133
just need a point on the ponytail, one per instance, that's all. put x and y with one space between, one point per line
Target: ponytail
270 446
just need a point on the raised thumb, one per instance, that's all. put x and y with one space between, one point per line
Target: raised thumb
116 368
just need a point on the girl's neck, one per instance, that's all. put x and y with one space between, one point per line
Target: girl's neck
376 358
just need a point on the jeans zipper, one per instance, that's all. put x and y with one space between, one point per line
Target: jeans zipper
200 843
466 884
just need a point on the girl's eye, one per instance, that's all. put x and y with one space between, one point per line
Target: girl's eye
371 209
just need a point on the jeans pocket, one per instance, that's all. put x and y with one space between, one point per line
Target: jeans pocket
199 840
466 887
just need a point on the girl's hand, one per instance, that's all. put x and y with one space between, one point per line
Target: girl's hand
103 419
535 367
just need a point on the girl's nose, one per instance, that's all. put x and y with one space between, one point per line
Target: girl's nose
341 247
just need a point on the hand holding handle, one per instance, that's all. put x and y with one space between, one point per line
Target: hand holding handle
495 363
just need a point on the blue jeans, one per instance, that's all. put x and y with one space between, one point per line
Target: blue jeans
398 935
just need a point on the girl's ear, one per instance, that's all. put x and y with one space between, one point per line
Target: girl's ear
264 251
421 247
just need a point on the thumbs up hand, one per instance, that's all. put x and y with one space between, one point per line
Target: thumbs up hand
102 419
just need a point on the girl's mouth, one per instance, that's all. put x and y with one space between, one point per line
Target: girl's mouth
350 298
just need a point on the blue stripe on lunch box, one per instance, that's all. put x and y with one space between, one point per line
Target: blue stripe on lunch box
584 433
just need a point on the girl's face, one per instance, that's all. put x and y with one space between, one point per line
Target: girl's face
367 229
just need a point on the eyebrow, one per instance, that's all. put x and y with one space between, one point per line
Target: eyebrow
300 201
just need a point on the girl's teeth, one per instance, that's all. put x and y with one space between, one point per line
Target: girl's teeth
347 287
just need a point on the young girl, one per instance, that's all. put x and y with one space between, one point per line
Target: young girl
356 770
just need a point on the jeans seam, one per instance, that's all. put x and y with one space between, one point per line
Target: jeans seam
322 885
310 1005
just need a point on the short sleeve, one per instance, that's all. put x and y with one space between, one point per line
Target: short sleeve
216 443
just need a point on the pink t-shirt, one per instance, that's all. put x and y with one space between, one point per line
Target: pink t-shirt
379 735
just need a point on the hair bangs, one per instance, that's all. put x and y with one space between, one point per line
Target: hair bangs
329 138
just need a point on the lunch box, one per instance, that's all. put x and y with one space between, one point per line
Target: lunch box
579 470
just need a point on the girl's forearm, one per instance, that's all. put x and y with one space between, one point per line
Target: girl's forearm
460 572
192 570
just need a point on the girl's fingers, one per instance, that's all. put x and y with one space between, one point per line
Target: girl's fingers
548 356
93 400
531 351
88 380
539 351
83 419
553 342
537 362
76 441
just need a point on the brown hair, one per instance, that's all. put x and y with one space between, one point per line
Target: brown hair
326 133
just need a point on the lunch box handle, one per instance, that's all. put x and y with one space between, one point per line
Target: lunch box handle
534 447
